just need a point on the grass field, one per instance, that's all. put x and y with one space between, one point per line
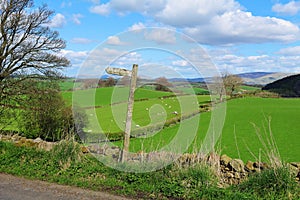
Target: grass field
152 111
108 95
68 84
239 138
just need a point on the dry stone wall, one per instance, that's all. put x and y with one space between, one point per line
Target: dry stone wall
231 171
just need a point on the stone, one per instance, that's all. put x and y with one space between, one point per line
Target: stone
22 139
15 137
5 138
260 165
236 165
84 149
227 169
29 143
38 140
47 146
229 175
113 152
95 149
295 164
237 175
224 160
249 166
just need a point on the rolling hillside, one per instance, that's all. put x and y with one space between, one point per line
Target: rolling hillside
286 87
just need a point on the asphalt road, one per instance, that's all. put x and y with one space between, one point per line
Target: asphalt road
15 188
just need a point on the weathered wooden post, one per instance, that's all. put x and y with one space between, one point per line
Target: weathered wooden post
133 73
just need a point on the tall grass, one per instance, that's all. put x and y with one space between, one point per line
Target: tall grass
275 183
66 152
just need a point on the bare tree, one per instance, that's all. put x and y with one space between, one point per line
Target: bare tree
232 83
125 81
162 84
89 83
110 82
227 84
29 49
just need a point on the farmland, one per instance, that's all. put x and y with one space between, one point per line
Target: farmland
103 96
245 118
239 138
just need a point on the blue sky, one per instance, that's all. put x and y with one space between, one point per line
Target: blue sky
238 35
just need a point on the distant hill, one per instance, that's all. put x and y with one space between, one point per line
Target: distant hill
286 87
250 78
262 78
253 75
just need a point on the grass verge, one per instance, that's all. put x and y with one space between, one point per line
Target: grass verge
172 182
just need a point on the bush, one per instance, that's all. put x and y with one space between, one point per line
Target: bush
47 116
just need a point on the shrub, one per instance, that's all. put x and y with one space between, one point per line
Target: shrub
47 116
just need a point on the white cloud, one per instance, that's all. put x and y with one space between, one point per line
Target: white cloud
58 21
212 21
128 59
181 63
76 57
114 40
81 41
161 36
141 6
103 9
266 63
76 18
66 4
136 27
99 59
291 8
290 51
74 54
188 13
243 27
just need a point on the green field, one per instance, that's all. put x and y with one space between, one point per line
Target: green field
108 95
145 113
242 115
239 137
68 84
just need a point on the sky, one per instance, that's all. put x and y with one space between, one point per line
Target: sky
171 37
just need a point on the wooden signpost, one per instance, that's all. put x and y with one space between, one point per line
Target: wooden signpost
133 73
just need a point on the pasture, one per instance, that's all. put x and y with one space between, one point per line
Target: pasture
108 95
146 112
246 120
